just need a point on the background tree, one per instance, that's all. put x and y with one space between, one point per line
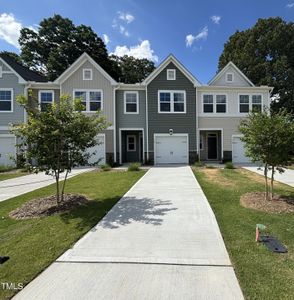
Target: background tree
268 139
13 55
265 54
131 69
57 139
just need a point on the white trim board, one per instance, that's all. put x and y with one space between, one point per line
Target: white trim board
215 129
12 101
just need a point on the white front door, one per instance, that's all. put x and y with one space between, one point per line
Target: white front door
238 151
171 149
7 150
99 155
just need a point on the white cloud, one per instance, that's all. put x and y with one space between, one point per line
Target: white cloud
123 31
142 50
202 35
10 29
215 19
290 5
127 17
106 38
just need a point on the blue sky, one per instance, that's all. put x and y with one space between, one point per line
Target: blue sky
194 31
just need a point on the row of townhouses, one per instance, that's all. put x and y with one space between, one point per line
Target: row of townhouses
170 117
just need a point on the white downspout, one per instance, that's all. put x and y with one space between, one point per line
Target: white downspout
147 129
114 121
197 126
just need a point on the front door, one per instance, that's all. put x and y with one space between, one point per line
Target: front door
212 146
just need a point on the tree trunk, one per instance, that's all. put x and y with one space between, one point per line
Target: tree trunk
57 188
266 181
272 182
63 186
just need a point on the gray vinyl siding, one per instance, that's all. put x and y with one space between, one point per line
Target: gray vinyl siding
180 123
99 81
17 116
238 79
4 67
130 120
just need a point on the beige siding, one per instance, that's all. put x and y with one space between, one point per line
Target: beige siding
238 79
232 100
75 81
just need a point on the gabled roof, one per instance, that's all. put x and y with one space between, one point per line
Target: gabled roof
25 73
230 64
82 59
178 64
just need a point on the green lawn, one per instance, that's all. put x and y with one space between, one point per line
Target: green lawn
261 273
10 175
33 244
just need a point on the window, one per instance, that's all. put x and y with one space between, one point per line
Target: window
87 74
6 96
92 100
256 103
172 102
244 103
131 143
229 77
131 105
208 103
171 74
46 98
221 103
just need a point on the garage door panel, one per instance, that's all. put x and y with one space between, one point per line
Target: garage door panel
171 149
99 152
238 151
7 150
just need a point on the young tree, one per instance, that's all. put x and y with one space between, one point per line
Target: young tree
268 139
264 53
56 140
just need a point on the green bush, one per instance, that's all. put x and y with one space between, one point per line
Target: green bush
134 167
199 164
105 167
229 165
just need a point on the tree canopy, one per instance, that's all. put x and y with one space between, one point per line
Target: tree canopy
265 54
59 42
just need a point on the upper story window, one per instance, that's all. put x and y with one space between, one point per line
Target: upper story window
208 103
131 102
250 102
6 99
229 77
46 98
171 74
92 100
87 74
171 102
214 103
221 103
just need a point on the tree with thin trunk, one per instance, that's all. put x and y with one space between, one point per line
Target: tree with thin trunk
268 138
57 140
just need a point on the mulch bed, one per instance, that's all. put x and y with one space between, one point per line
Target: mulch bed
47 206
279 204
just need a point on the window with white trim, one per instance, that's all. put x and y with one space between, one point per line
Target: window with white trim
6 100
171 74
172 102
131 143
229 77
257 103
208 103
244 103
131 102
46 98
87 74
92 100
221 103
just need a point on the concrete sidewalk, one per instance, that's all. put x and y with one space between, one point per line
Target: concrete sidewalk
160 241
21 185
287 177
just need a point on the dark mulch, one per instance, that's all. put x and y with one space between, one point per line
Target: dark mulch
279 204
47 206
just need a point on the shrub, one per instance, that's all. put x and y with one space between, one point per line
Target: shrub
105 167
134 167
199 164
229 165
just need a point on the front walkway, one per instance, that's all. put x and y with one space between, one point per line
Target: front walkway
160 241
287 177
11 188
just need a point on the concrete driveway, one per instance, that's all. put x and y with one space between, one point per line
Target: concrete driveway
160 241
11 188
287 177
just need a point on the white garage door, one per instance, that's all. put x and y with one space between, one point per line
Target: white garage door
99 151
239 151
7 150
171 149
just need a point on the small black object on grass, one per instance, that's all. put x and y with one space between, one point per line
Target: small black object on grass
273 244
3 259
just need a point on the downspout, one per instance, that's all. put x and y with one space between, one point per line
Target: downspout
114 121
197 126
147 129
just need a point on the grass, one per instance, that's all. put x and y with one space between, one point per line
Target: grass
10 175
34 244
261 273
